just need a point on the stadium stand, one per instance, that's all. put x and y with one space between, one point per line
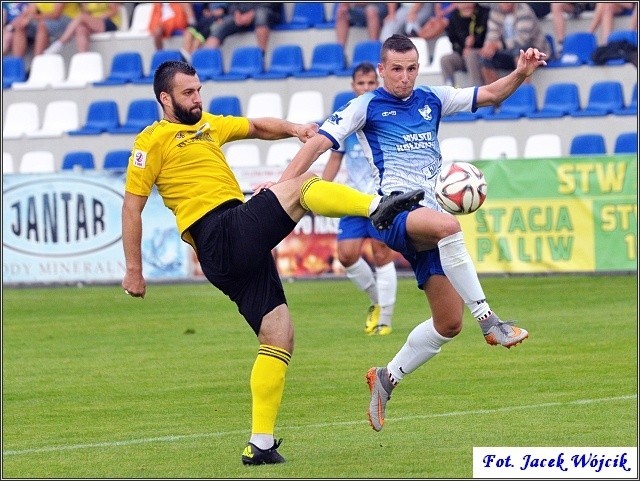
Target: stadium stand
457 149
125 67
246 62
78 160
286 60
243 154
542 146
7 163
84 69
12 71
327 58
306 106
141 113
46 69
158 57
37 162
60 116
102 116
560 99
20 118
116 160
281 152
577 50
588 144
522 103
341 98
497 147
423 54
605 98
626 143
305 15
225 105
208 63
265 104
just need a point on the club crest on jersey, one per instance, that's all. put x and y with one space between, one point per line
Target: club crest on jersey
180 135
425 112
139 158
335 119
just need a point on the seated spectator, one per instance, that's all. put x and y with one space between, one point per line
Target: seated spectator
196 33
10 11
603 17
416 16
370 15
467 30
511 27
244 17
41 23
94 17
166 19
437 23
558 12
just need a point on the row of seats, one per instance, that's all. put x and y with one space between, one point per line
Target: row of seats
280 153
561 99
44 162
536 146
287 60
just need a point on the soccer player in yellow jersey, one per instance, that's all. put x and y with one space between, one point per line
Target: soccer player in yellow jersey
181 154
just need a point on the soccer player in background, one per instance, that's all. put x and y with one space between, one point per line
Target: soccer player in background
181 154
397 125
353 231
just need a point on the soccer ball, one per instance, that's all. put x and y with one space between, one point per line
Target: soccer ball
460 188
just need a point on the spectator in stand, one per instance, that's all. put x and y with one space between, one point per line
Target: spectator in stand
94 17
168 18
603 17
10 12
467 30
437 23
370 15
406 19
558 12
41 23
511 27
541 9
244 17
196 33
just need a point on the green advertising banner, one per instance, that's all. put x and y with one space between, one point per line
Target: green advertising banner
577 214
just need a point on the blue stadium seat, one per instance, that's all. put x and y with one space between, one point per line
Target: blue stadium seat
101 116
225 105
305 15
125 67
605 97
78 159
246 62
327 58
632 107
363 51
208 63
588 144
576 51
12 71
342 98
286 60
116 160
140 114
158 57
522 103
626 143
560 99
630 36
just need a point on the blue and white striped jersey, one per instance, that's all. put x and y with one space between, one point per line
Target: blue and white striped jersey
399 137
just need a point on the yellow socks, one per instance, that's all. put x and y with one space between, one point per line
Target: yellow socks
331 199
267 387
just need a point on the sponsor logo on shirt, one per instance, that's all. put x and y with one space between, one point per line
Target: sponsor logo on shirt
139 158
390 112
425 112
334 119
423 140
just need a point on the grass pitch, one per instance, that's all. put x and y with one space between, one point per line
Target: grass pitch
99 385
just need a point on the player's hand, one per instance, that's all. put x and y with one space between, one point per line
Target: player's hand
530 60
305 131
134 285
264 185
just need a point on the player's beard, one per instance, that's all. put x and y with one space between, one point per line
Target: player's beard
186 116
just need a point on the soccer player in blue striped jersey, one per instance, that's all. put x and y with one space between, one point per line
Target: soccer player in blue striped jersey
397 125
381 288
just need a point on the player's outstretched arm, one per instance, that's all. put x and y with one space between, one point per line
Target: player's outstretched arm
268 128
495 93
133 282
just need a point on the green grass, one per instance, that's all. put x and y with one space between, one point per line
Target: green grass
96 384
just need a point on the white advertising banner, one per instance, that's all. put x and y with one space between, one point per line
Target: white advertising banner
66 228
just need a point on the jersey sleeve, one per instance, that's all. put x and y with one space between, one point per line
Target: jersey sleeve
145 165
456 99
345 121
233 128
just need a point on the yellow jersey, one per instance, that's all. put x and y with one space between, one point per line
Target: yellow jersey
186 164
71 10
98 9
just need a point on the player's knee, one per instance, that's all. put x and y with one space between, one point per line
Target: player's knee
449 226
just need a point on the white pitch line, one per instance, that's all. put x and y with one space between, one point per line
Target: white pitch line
167 439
